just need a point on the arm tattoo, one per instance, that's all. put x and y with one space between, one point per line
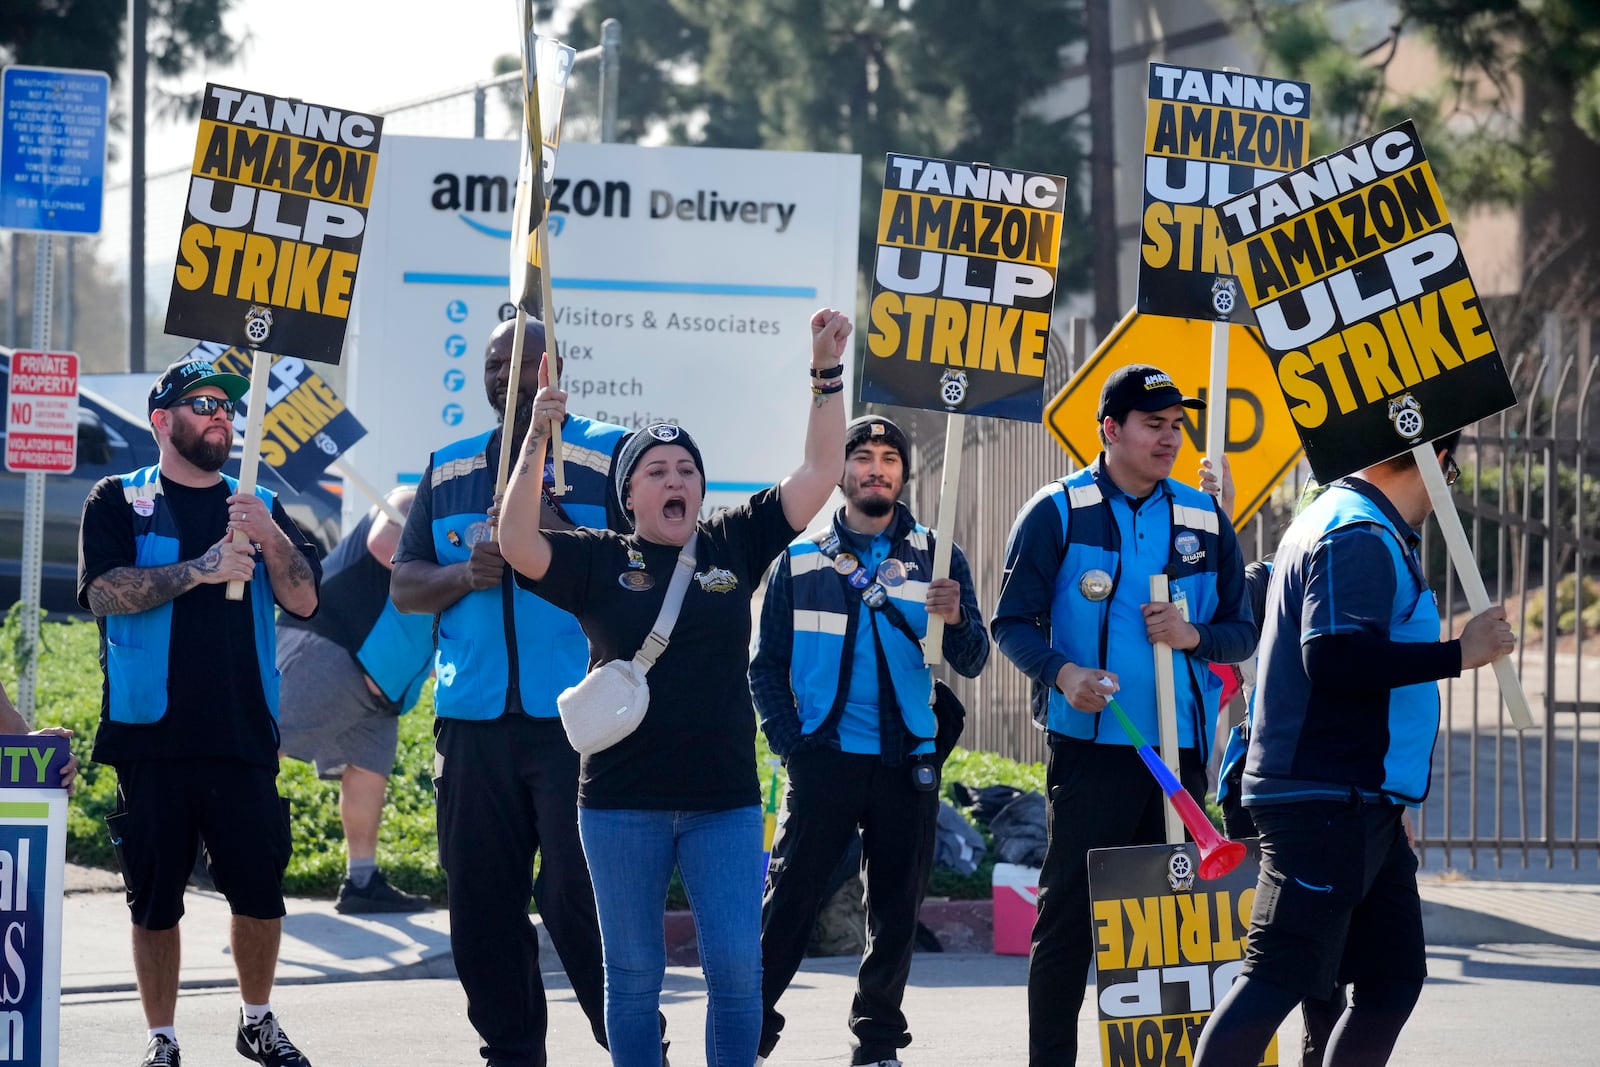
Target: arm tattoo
297 571
130 590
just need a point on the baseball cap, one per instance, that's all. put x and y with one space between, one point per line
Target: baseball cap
187 375
1141 387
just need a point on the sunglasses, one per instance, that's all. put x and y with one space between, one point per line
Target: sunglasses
1451 470
205 406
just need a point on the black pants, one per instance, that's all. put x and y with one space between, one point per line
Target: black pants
830 795
1101 796
508 789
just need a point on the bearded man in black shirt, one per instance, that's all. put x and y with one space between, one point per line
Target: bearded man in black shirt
189 706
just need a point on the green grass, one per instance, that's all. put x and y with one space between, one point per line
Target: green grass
69 684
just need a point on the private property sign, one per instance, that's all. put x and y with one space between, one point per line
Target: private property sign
42 412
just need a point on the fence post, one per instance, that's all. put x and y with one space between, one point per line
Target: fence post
480 96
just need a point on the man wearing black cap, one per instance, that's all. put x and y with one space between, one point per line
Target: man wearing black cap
1073 616
190 702
844 696
506 778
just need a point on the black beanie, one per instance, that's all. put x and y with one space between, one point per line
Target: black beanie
641 441
882 430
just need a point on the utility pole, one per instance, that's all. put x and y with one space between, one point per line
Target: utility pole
138 60
1102 169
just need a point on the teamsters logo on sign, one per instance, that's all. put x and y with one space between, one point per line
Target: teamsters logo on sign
1209 134
963 284
272 231
1365 303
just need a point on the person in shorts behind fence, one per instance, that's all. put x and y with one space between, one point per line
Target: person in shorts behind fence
190 703
349 673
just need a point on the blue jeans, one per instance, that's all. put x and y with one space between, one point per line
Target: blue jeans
631 856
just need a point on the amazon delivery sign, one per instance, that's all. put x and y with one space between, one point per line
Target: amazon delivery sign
683 281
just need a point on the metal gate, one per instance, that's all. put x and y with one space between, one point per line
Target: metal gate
1498 799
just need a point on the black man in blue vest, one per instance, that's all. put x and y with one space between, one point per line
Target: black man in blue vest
1074 616
844 696
506 778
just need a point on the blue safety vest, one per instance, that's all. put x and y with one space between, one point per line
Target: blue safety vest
1387 754
139 646
477 636
1080 627
827 616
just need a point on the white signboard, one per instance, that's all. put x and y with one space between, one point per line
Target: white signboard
42 412
683 282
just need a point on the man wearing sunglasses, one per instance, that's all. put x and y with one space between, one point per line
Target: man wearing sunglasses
190 701
1346 715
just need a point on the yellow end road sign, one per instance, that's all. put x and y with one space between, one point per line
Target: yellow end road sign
1262 442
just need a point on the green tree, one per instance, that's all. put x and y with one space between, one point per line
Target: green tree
1512 121
952 78
91 34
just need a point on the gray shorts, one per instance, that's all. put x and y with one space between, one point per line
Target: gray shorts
326 714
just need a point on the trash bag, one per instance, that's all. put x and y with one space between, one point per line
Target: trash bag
1019 831
985 803
956 845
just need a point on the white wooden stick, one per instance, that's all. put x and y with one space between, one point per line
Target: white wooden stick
1166 709
260 376
508 419
949 487
1466 565
1217 399
354 478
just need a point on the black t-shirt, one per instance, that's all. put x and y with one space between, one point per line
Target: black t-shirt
355 589
215 705
695 749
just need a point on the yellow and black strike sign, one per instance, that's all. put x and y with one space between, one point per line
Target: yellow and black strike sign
305 425
1167 947
1377 335
963 283
1209 134
272 231
547 67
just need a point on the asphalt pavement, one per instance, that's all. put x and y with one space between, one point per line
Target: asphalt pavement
1515 968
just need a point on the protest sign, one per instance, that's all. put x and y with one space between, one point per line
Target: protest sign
272 230
964 280
1209 134
304 427
33 861
1167 947
546 68
1377 335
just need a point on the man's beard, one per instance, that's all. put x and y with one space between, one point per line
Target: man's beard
874 506
198 449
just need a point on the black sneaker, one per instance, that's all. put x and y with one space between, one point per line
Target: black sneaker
266 1043
161 1052
377 895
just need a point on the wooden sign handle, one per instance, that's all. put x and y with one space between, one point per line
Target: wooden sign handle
250 461
1166 708
949 488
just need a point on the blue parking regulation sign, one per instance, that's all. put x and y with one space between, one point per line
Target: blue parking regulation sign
52 149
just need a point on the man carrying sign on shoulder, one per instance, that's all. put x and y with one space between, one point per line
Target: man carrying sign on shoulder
1073 617
844 696
190 704
1346 716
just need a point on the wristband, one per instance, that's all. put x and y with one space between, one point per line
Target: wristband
828 390
828 372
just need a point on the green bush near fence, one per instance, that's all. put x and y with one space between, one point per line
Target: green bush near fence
69 686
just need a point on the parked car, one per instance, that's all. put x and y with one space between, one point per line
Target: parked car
111 440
